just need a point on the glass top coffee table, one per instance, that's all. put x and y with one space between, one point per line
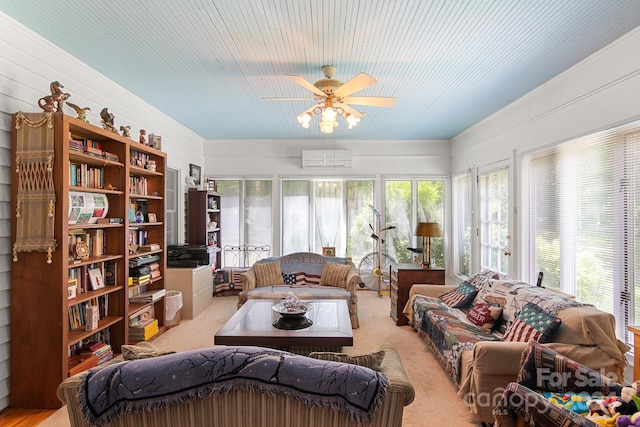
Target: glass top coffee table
252 324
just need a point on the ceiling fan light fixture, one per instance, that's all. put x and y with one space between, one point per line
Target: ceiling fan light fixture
328 125
304 119
352 121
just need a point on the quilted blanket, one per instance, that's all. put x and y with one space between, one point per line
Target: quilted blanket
149 384
447 335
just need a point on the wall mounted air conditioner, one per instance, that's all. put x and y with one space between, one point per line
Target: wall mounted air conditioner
327 159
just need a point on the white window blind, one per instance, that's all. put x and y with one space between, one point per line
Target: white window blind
583 220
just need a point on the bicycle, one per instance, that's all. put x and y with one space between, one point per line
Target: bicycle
374 267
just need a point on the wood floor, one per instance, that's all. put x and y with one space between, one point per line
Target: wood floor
24 417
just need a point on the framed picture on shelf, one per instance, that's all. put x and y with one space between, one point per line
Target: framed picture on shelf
95 279
329 251
153 217
194 172
72 288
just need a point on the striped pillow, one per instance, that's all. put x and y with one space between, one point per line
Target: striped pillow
533 324
268 274
371 360
334 274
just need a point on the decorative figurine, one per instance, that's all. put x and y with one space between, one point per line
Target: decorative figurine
81 112
125 131
107 120
143 138
55 101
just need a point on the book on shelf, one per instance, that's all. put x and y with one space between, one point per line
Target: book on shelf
149 247
92 317
143 333
95 279
148 296
144 259
141 317
141 280
110 269
110 221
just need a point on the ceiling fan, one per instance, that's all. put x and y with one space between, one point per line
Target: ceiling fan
333 96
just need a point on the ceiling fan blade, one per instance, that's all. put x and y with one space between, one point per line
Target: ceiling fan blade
357 83
290 99
305 84
349 110
374 101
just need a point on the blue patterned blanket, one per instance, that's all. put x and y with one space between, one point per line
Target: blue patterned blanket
149 384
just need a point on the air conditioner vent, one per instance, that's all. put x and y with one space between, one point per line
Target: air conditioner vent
327 159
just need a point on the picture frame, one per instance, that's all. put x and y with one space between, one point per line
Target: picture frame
194 172
153 217
95 279
72 289
329 251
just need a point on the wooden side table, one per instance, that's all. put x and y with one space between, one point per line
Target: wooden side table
403 276
635 330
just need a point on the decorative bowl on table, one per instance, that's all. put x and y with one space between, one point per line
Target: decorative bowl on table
291 317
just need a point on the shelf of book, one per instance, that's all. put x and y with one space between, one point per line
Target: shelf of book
97 175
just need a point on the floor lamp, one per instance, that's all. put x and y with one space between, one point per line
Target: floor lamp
427 230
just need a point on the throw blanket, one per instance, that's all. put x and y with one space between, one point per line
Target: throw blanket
149 384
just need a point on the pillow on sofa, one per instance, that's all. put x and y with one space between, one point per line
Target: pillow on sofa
533 324
268 274
461 297
142 350
333 273
485 278
371 360
484 315
289 278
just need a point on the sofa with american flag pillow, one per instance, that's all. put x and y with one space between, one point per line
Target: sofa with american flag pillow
479 329
308 275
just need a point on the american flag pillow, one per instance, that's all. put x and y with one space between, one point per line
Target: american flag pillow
533 324
301 279
307 279
461 297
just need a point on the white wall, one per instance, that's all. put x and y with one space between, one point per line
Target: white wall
598 93
283 158
28 63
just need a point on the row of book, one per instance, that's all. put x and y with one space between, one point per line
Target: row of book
138 185
146 296
139 159
137 236
98 349
80 317
91 277
96 241
143 331
83 175
92 148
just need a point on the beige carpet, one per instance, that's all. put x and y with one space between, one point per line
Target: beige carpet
436 403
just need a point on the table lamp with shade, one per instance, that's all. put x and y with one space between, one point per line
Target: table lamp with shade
427 230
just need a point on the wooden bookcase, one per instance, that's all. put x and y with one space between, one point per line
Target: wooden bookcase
42 334
203 209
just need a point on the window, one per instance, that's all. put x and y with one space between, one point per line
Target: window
245 218
462 225
408 202
584 232
327 213
493 191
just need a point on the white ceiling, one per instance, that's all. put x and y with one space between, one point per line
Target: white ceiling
209 63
